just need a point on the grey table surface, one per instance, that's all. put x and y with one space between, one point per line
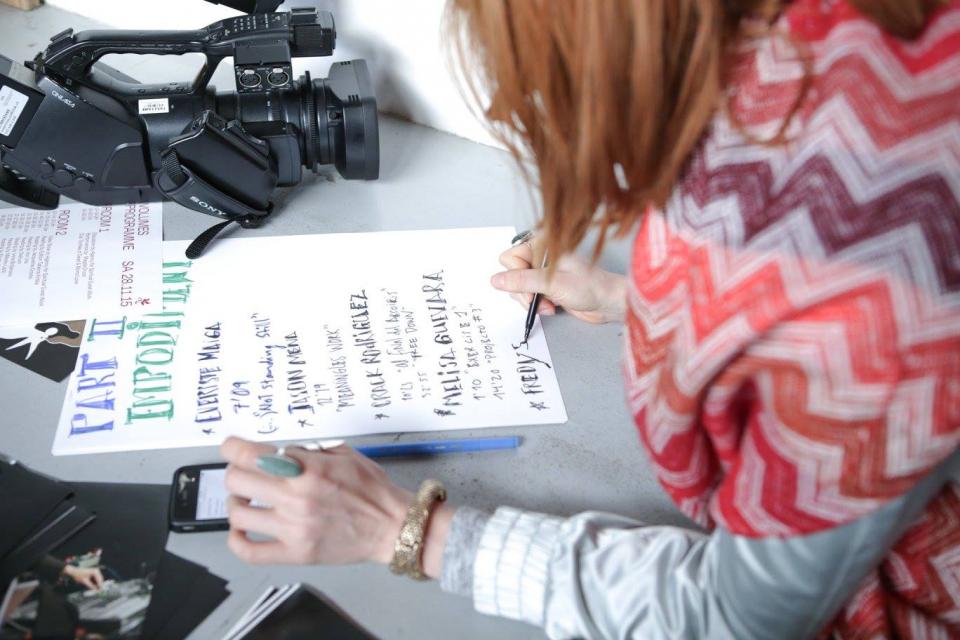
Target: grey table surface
429 180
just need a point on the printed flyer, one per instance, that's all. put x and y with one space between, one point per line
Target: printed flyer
79 261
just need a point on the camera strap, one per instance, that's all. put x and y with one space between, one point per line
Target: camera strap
216 167
200 243
183 186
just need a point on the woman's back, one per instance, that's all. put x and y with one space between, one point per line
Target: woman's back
794 325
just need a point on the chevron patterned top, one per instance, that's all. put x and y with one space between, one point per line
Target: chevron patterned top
793 333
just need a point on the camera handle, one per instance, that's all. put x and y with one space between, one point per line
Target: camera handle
71 55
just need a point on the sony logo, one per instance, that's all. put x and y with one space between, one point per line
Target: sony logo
208 207
62 98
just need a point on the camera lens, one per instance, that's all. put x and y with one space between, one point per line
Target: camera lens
312 122
278 78
249 79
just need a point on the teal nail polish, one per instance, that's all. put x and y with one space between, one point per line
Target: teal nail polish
279 465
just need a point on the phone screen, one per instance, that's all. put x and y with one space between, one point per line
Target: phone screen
198 498
212 495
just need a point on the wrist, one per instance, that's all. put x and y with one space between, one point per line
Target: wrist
435 540
436 529
395 510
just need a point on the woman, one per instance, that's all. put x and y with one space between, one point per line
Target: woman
792 314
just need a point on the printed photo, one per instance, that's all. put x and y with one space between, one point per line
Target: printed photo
97 585
47 348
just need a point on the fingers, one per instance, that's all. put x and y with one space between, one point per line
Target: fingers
257 486
523 298
257 519
259 552
522 281
304 456
243 453
547 306
90 578
518 257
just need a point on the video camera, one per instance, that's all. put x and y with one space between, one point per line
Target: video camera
74 126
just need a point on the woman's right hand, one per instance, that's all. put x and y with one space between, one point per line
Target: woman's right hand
584 290
90 578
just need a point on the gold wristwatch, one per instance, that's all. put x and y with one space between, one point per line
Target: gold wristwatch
408 549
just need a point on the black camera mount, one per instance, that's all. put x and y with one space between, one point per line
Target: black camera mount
250 6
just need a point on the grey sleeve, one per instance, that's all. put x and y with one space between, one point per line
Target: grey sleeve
463 540
602 576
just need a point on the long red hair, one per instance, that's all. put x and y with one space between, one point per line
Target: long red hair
603 101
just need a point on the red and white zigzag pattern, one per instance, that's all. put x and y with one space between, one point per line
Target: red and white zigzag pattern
794 327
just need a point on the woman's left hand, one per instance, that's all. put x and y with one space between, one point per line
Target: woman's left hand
342 509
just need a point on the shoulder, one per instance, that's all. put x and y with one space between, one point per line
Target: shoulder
874 109
867 182
896 89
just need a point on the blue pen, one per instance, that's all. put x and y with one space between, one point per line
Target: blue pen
435 447
281 465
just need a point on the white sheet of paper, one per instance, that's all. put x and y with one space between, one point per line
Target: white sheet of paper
79 261
313 337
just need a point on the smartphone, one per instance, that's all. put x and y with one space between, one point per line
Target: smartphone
198 498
